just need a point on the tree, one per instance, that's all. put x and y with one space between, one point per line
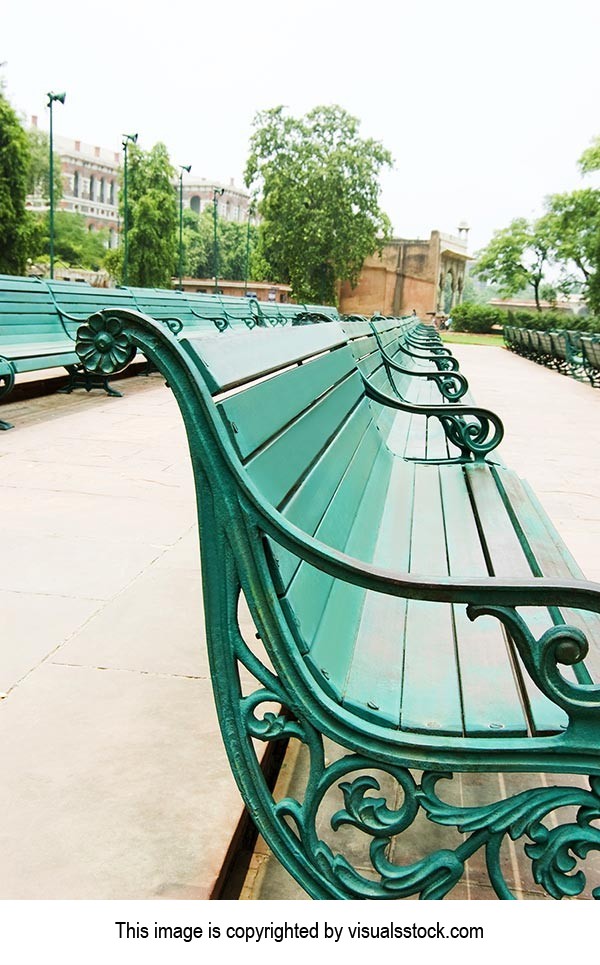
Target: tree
198 245
518 256
38 175
590 159
319 190
15 223
74 244
574 220
152 219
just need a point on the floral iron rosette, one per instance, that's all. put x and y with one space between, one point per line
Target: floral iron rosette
103 346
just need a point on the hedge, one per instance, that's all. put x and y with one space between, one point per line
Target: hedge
471 317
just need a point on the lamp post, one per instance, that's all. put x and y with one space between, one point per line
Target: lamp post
51 98
182 168
217 192
250 216
127 139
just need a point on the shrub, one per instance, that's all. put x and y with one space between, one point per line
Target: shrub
471 317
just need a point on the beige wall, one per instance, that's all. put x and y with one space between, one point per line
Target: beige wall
404 277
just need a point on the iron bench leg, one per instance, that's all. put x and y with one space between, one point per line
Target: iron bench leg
79 378
7 381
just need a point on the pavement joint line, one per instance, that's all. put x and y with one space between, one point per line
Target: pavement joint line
48 657
57 596
132 670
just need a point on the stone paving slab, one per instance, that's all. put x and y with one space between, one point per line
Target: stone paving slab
552 439
115 783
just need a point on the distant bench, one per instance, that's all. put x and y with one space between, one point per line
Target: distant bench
39 318
424 615
568 352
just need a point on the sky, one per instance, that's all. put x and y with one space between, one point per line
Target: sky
485 107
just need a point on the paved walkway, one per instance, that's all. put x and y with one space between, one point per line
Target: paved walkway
114 780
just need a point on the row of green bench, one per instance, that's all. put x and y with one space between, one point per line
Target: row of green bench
420 611
39 318
571 353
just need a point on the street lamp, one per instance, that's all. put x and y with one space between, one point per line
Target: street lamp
217 192
127 139
182 168
250 217
51 98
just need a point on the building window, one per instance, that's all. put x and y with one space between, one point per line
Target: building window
101 190
92 188
111 193
76 184
195 203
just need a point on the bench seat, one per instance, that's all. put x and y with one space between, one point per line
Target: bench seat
425 617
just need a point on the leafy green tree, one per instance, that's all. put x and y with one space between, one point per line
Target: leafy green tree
153 220
518 256
16 225
590 159
74 244
38 175
318 183
574 220
198 245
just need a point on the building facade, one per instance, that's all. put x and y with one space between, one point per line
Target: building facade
427 276
91 182
232 204
90 176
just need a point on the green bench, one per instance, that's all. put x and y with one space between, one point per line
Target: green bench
426 376
568 352
33 334
590 355
419 417
39 319
423 616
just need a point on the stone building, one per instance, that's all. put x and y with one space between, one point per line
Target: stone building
198 194
91 184
90 177
427 276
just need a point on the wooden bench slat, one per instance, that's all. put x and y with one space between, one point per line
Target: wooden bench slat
344 604
302 441
267 407
310 588
508 560
490 693
250 355
369 690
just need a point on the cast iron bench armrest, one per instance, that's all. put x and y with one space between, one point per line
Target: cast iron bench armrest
221 324
472 438
452 385
443 361
427 344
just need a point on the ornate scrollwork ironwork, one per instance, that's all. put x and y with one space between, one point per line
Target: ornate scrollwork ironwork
103 346
477 437
452 386
562 644
7 377
553 852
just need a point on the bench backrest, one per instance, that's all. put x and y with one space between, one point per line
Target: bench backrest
29 321
81 300
293 404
